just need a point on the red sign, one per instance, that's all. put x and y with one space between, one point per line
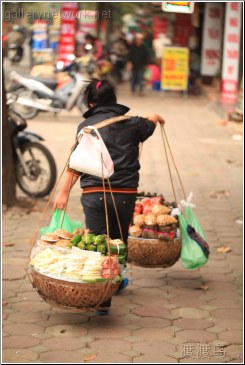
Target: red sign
182 30
68 30
231 51
160 26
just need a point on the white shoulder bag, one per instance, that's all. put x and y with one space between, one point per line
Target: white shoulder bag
91 151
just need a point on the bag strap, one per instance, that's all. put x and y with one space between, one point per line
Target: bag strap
106 122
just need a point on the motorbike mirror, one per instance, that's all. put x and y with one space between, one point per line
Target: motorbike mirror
71 57
88 47
60 65
12 75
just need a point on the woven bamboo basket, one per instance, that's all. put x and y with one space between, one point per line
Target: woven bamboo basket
63 294
153 252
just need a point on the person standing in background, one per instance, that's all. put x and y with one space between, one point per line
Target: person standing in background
119 51
17 37
137 60
97 47
149 46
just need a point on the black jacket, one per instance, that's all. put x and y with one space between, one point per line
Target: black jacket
122 141
138 56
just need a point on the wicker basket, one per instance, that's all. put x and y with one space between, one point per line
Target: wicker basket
153 252
81 297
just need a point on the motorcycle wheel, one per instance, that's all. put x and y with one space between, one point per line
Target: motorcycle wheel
26 112
42 169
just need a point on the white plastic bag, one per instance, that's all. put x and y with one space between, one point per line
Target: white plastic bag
89 153
188 202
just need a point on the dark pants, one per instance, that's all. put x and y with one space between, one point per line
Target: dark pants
94 210
137 79
119 67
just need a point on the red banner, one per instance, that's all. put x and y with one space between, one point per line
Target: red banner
182 30
160 26
231 52
68 30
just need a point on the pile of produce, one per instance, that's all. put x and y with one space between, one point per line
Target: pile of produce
143 194
78 256
91 242
152 219
74 264
85 241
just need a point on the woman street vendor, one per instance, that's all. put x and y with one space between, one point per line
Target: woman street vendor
122 140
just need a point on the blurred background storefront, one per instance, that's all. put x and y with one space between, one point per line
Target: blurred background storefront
212 33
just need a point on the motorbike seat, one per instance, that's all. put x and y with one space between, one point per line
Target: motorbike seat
50 83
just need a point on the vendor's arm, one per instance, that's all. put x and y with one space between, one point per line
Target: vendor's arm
69 181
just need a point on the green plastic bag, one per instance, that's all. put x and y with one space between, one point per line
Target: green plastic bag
191 256
56 221
193 221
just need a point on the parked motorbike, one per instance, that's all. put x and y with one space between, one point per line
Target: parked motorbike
35 167
15 53
31 96
96 68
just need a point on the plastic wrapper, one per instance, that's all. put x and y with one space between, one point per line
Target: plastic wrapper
167 233
150 231
59 218
118 247
192 220
192 256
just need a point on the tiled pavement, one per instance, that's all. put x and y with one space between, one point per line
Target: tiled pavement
163 316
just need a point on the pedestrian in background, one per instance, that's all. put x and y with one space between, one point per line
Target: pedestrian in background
17 37
119 51
96 44
137 61
149 46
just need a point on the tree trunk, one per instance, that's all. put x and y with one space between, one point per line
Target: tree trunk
8 173
109 21
99 8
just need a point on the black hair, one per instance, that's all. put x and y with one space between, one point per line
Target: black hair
100 92
90 37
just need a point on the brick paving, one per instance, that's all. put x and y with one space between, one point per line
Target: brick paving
163 313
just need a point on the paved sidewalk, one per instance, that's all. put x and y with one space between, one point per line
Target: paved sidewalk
165 315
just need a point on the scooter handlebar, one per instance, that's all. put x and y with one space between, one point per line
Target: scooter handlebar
69 68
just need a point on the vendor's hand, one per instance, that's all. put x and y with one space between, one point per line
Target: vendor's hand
161 120
156 118
60 201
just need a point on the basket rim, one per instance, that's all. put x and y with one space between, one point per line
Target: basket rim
155 240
